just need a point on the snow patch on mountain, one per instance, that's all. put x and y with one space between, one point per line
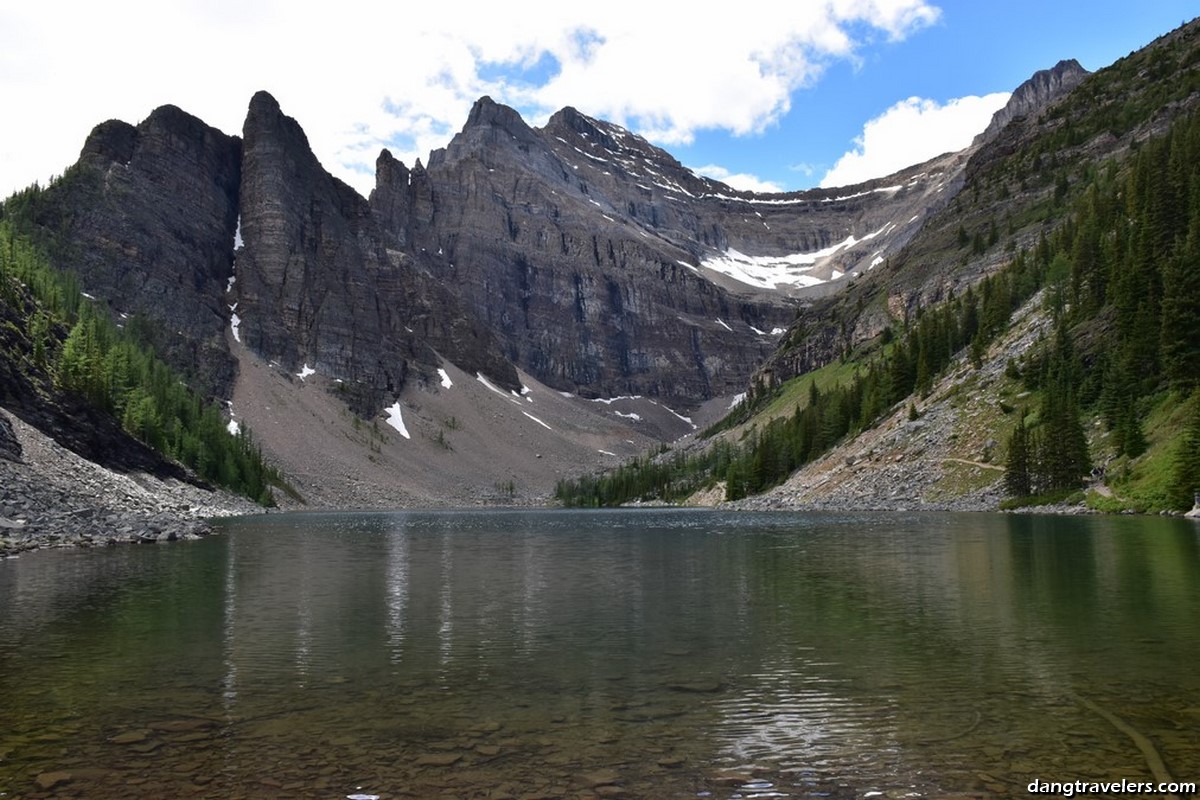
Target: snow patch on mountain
787 270
396 420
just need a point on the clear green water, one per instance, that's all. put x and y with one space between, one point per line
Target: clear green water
647 654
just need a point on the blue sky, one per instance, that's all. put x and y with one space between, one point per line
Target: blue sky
774 98
975 48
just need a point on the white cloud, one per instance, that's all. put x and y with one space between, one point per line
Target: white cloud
374 73
912 131
804 168
738 180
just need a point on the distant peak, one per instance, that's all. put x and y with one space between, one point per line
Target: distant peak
1042 88
570 118
1068 65
1058 80
487 111
113 140
569 115
263 102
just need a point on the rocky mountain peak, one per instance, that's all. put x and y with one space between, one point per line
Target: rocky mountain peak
487 111
570 119
489 115
489 126
1042 88
264 103
570 126
389 169
112 141
266 120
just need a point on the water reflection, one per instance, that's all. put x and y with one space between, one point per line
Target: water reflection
663 653
397 591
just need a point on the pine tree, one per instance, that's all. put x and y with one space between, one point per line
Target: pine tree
1179 335
1185 478
1061 459
1016 469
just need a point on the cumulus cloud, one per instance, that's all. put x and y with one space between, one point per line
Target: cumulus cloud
372 73
738 180
912 131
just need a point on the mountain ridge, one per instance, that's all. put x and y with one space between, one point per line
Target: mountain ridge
574 258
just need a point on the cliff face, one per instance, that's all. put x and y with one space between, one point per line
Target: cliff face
316 286
578 252
596 258
1043 87
150 218
148 214
583 298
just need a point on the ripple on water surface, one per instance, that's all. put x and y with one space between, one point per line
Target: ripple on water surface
623 654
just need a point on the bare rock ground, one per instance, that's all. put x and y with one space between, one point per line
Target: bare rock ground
468 442
51 497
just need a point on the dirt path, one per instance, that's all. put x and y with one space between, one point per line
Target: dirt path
974 463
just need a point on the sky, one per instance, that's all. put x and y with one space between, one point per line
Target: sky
783 96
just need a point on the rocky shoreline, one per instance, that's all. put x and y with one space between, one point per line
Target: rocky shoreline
51 497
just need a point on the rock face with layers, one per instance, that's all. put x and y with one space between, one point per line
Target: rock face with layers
578 252
316 286
149 212
587 250
581 298
1043 87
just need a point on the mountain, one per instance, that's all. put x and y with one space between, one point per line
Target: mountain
594 294
315 284
1035 95
146 218
578 252
1039 337
607 268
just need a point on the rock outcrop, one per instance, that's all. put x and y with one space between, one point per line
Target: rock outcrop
148 215
315 284
585 249
1043 87
10 448
578 252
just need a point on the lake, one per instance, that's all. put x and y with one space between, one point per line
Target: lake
632 653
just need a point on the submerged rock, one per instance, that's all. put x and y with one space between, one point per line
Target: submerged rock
51 780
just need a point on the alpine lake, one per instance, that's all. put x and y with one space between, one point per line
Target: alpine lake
638 653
